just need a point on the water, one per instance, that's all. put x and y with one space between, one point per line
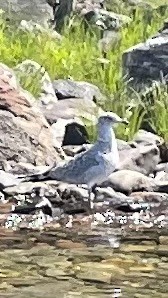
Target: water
101 262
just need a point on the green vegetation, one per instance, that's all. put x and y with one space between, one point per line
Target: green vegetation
78 56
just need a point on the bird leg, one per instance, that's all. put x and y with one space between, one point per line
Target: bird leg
91 192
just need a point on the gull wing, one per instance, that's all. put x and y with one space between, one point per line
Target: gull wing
76 169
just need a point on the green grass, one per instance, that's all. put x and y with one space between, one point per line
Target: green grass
77 56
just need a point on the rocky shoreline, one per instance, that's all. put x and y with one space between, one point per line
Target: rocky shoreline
39 133
30 148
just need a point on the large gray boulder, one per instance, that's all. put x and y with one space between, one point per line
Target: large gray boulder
36 10
147 61
77 89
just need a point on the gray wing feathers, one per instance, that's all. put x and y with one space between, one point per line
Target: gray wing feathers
75 170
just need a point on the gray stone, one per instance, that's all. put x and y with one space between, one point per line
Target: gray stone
147 138
31 26
31 68
127 181
38 11
161 176
68 118
162 167
26 169
143 159
73 150
71 108
152 197
77 89
69 132
8 179
146 61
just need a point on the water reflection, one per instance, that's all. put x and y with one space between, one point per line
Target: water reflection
102 262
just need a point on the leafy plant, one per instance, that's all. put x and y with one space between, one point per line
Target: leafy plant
77 55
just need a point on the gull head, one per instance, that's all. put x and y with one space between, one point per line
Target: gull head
111 118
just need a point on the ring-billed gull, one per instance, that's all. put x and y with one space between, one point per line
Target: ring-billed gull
96 164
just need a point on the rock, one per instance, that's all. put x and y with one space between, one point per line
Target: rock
98 272
68 118
122 145
70 132
112 19
163 240
43 204
70 197
161 176
147 138
26 170
27 9
164 152
30 26
75 134
73 150
116 200
30 68
7 179
143 159
162 167
72 108
77 89
109 194
151 197
25 134
146 61
127 181
62 11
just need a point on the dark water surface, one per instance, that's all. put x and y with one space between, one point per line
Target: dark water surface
83 261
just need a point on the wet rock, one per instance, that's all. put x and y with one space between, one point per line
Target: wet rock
77 89
163 240
25 133
69 244
127 181
138 248
100 272
33 69
146 61
143 159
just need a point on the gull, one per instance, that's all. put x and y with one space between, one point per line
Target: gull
93 166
